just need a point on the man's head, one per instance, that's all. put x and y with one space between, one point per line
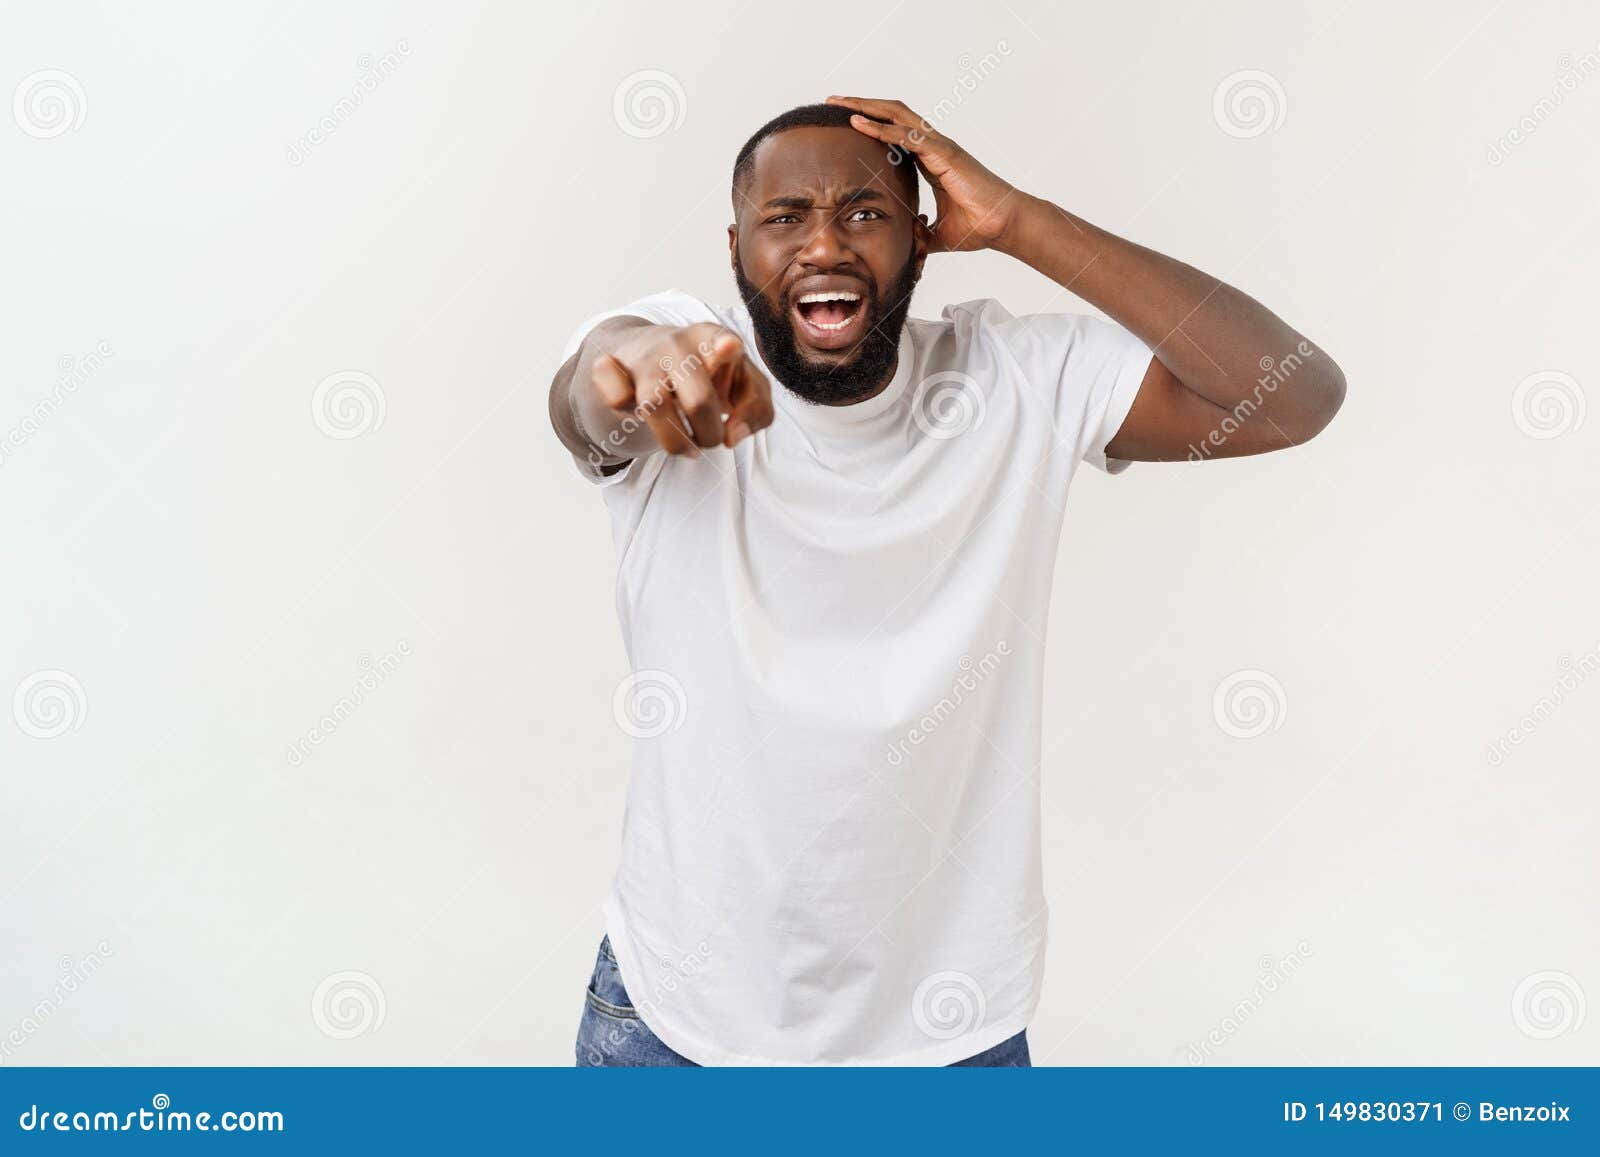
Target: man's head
827 245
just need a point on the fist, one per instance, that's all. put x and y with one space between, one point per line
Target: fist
690 386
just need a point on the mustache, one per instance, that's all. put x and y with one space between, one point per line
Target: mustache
868 361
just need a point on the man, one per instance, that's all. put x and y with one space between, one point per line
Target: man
836 530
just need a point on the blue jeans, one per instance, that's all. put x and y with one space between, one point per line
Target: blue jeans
612 1034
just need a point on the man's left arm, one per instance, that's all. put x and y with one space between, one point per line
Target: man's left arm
1229 377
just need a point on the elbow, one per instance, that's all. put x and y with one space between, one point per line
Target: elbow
1320 400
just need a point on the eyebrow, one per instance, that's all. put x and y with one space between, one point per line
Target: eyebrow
862 193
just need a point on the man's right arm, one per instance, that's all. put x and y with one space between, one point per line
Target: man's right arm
634 387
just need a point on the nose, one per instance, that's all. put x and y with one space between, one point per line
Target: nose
825 248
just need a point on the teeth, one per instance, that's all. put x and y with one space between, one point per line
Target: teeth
835 295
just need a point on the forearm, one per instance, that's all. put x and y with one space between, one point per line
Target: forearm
1214 339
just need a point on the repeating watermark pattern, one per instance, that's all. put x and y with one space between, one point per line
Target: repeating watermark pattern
370 673
648 704
972 673
48 704
1275 973
348 404
1274 372
972 72
1548 1004
1249 703
74 974
370 73
1569 75
663 985
948 1004
1573 673
1548 404
648 103
675 372
948 404
348 1004
1249 103
48 103
74 372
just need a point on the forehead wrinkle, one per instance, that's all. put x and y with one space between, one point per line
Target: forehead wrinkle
853 196
829 191
829 185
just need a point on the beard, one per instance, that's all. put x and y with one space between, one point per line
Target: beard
830 384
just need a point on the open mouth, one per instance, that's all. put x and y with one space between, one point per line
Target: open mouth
830 320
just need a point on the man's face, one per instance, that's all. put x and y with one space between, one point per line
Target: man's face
826 253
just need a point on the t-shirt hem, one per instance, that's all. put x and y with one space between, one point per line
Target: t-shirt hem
936 1055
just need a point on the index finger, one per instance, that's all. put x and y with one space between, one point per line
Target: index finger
723 359
893 111
749 401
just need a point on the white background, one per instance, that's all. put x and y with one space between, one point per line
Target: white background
212 569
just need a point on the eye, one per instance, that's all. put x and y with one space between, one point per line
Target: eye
782 218
875 215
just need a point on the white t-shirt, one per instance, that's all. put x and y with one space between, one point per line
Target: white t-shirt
830 851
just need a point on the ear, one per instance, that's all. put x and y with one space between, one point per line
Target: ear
733 247
921 239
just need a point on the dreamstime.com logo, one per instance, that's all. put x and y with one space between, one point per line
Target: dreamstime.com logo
160 1117
74 372
947 1005
1249 703
1548 404
1573 673
648 103
1548 1004
48 704
48 103
370 673
74 974
648 704
948 404
1274 974
972 72
675 371
1274 373
1569 74
370 73
672 976
972 673
348 1004
1249 103
348 404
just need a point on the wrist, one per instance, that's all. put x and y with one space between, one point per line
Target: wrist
1018 237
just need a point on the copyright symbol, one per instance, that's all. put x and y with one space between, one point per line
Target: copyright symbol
1462 1110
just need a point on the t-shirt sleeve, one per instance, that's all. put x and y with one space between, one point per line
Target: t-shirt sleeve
669 307
1086 369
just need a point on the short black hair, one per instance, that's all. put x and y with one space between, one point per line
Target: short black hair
824 116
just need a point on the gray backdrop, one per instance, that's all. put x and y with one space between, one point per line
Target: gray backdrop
310 651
